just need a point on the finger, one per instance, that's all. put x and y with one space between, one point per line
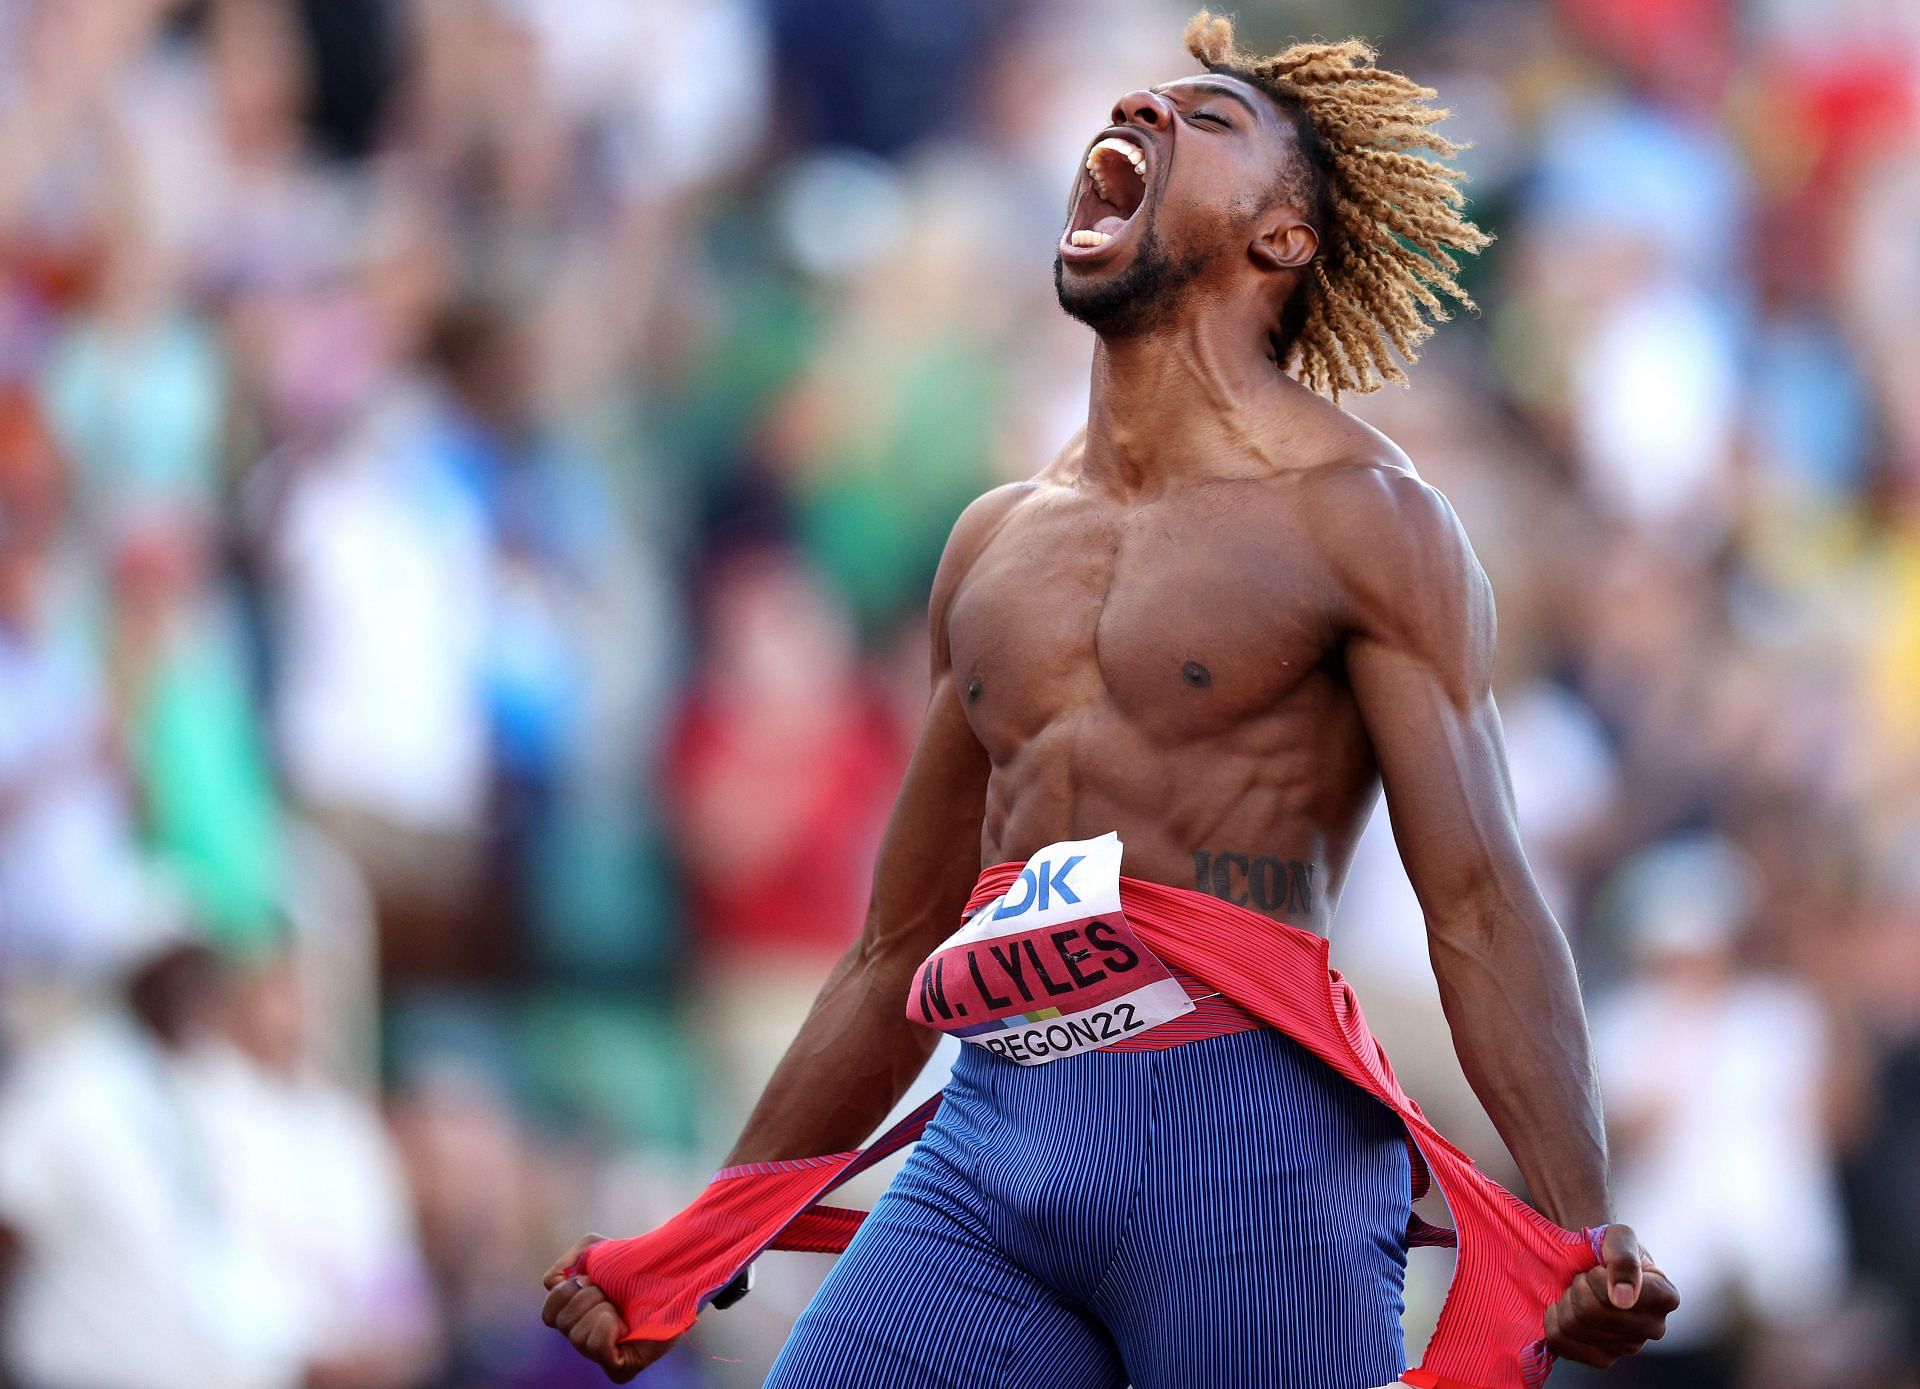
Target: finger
640 1354
602 1338
596 1334
1590 1310
557 1299
1563 1333
1584 1344
564 1264
1657 1294
1589 1295
583 1302
1578 1351
1647 1317
634 1358
1588 1327
1620 1252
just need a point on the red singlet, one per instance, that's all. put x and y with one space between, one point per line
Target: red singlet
1513 1262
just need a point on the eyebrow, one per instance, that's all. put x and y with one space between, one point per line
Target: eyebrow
1215 89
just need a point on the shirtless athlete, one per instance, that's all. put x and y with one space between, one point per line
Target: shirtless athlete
1216 625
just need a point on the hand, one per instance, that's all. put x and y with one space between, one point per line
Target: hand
1614 1309
591 1322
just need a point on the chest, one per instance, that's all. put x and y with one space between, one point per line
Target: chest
1189 616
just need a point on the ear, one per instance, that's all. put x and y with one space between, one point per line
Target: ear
1284 243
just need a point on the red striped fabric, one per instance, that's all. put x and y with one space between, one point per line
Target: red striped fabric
1213 1015
1513 1262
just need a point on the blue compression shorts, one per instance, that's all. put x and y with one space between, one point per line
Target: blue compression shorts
1224 1214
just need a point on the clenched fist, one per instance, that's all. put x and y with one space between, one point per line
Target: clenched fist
1612 1310
591 1322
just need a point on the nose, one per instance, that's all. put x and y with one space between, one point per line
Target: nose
1143 108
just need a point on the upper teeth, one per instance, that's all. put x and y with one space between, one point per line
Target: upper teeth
1126 149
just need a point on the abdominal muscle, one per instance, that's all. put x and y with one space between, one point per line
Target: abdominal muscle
1232 834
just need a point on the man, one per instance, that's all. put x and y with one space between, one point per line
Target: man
359 1301
1750 1066
1214 625
111 1188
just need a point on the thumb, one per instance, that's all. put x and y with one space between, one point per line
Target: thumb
1620 1251
564 1266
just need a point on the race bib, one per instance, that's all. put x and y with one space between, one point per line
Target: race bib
1050 968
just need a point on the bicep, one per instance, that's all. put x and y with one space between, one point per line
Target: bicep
1417 629
1443 765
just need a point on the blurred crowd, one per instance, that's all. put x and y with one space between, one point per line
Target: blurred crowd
470 472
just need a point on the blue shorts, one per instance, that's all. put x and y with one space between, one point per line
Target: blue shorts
1227 1214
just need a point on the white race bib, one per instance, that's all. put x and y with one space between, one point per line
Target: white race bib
1051 967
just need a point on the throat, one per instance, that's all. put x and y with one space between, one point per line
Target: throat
1173 401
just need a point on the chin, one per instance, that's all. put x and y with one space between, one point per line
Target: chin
1123 295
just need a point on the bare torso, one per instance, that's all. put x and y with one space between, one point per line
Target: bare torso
1218 624
1167 667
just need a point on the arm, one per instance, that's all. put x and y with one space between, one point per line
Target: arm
1419 653
1420 657
856 1053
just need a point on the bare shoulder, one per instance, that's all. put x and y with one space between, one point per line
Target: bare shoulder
986 514
1370 512
1361 478
1348 480
983 519
1398 555
971 534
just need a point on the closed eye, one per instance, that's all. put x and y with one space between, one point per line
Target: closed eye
1221 121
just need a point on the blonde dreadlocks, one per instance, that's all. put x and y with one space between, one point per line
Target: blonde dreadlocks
1389 218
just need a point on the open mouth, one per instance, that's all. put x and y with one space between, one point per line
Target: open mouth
1114 189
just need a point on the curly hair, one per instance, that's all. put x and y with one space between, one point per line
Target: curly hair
1390 219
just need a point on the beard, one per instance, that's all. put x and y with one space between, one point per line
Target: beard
1136 300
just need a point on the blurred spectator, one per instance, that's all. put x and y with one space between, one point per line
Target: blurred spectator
488 1195
387 386
783 768
136 390
1883 1200
381 584
193 736
111 1193
70 873
782 772
1716 1080
318 1188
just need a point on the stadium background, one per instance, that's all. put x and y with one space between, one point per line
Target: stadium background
470 472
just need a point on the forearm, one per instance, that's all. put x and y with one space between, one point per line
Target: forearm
856 1053
853 1059
1512 999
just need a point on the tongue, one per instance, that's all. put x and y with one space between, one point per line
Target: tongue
1110 225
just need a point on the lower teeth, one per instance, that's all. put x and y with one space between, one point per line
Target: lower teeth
1090 238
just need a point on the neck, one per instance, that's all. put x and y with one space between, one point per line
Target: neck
1171 402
